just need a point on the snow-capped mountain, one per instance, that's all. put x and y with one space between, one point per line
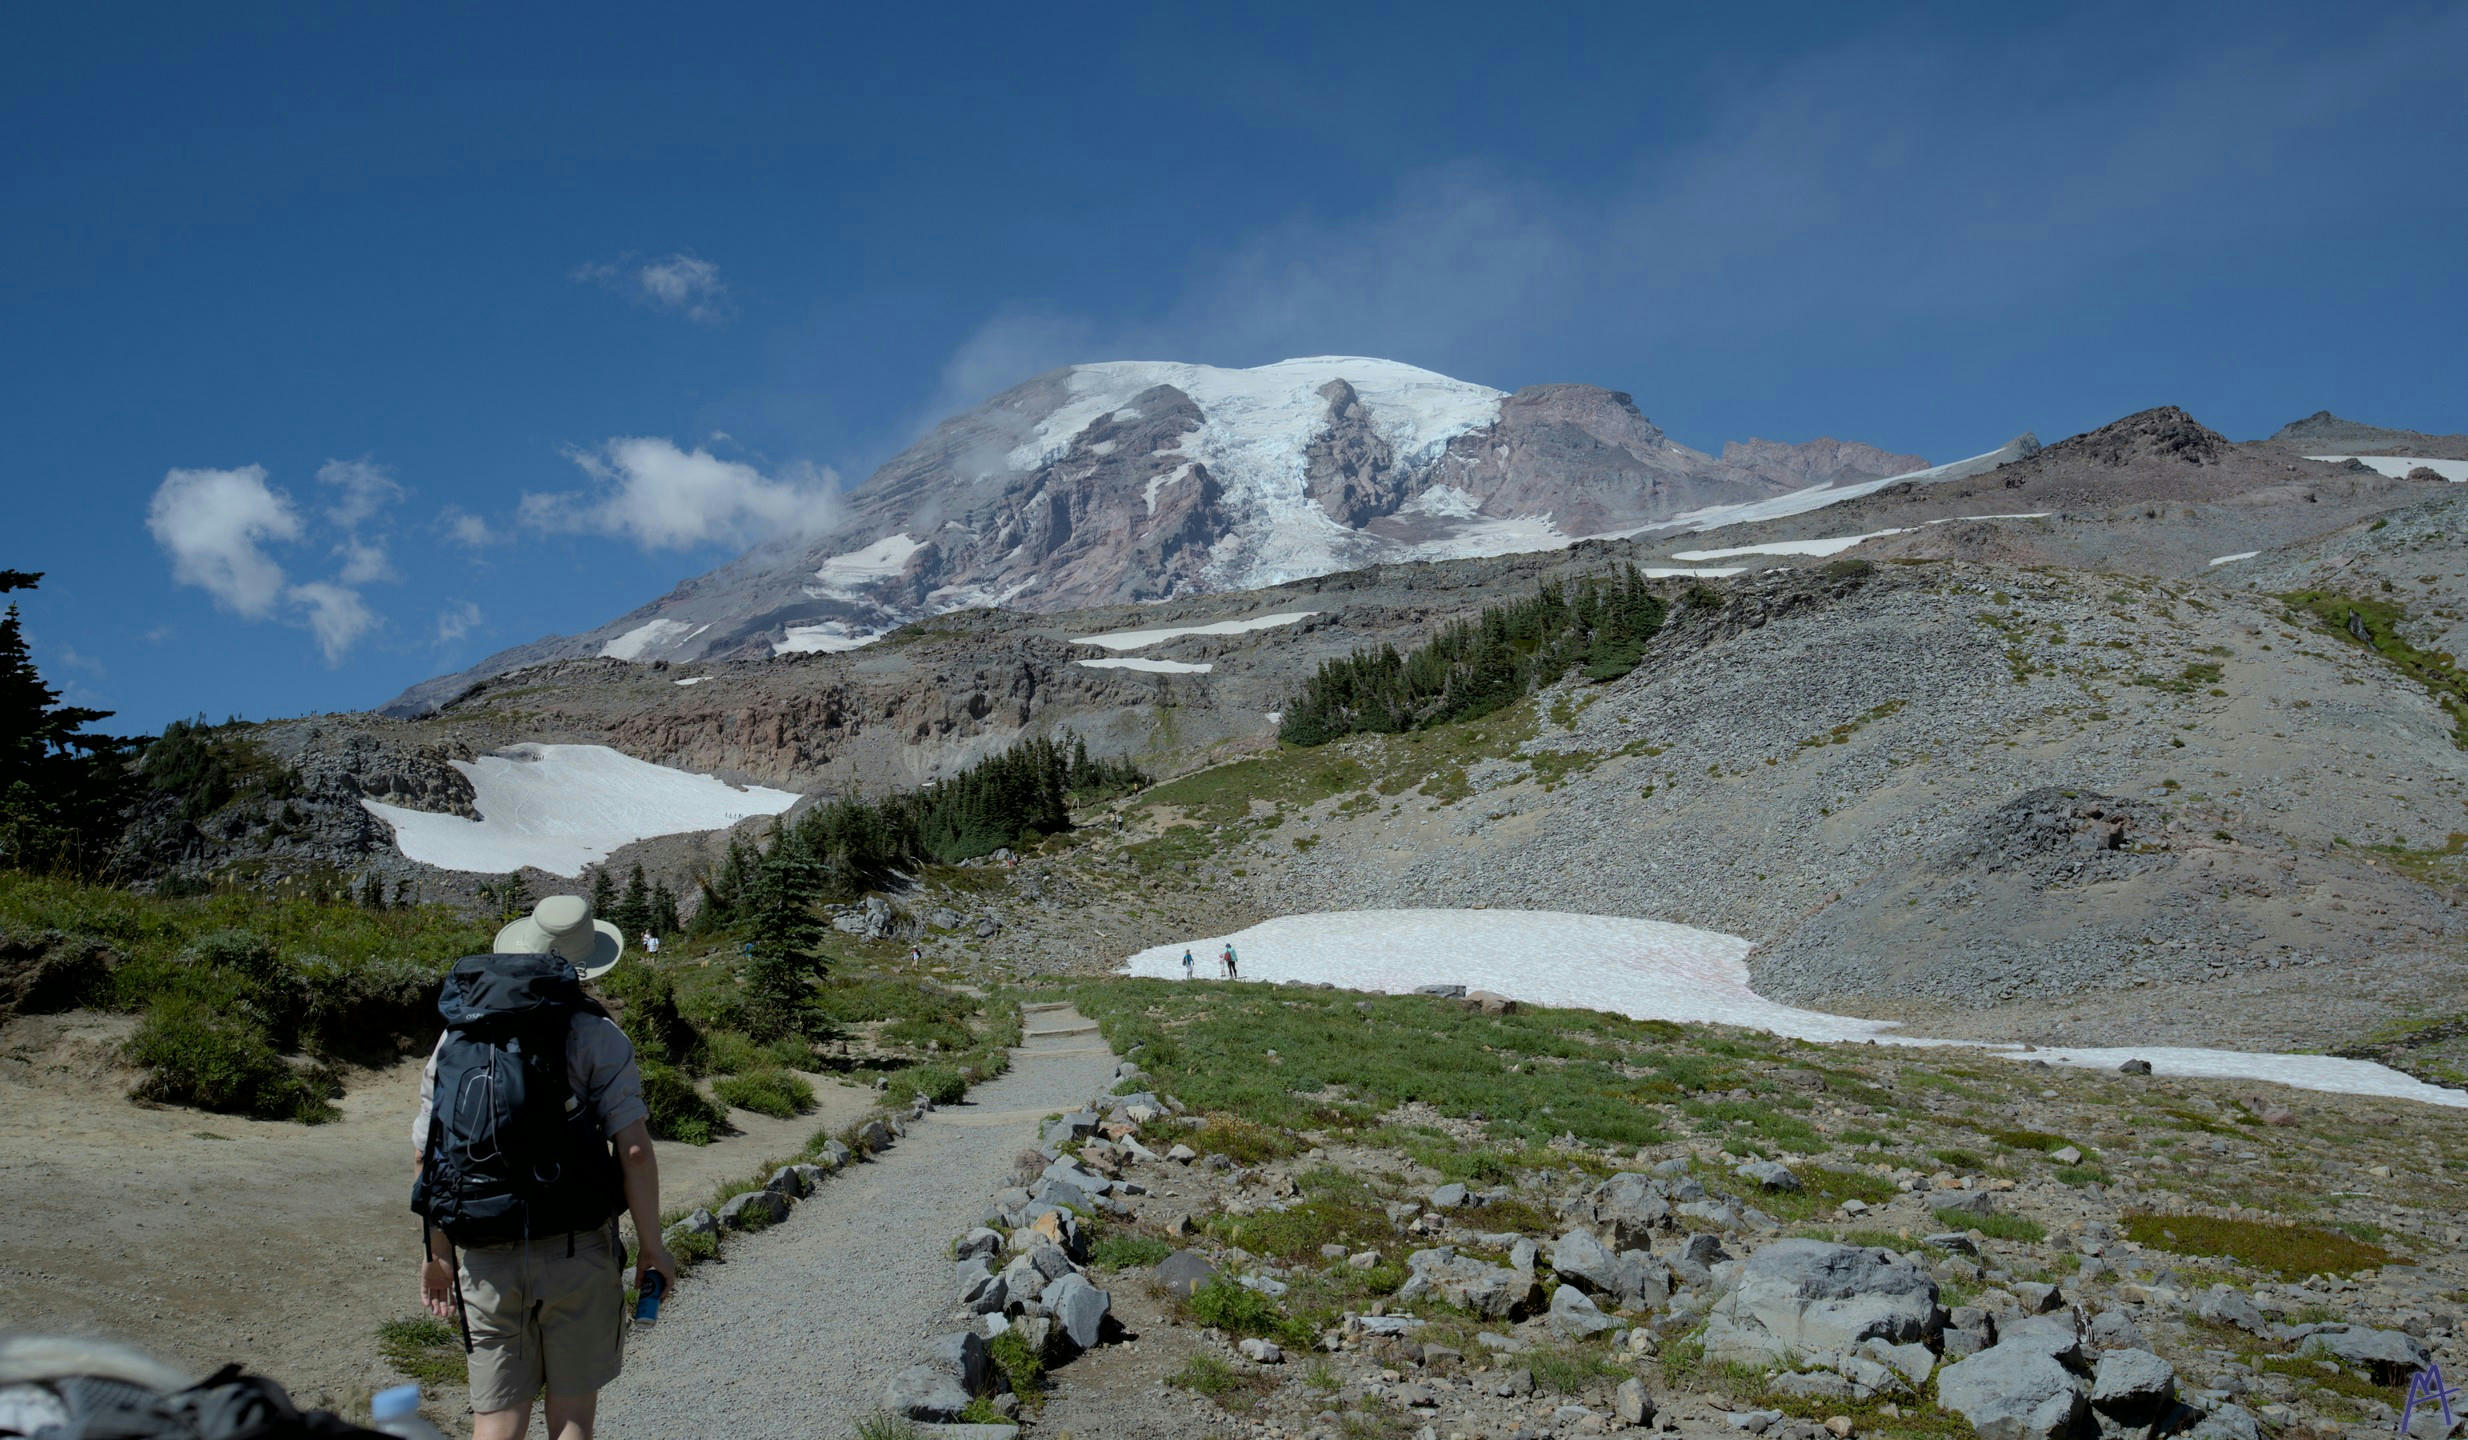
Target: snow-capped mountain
1141 480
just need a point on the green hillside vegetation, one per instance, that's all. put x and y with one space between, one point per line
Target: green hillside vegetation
1475 667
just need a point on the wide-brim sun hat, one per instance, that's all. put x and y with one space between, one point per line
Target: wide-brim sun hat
561 925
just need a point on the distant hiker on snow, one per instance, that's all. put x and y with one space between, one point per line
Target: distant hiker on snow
1188 962
1227 959
521 1102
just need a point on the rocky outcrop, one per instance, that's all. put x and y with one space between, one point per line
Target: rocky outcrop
1350 470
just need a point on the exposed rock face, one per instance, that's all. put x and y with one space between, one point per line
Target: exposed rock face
2164 433
1822 461
1351 471
1812 1297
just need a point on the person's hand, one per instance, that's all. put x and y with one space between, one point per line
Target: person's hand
437 1287
655 1256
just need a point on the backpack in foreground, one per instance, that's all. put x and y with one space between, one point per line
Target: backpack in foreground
512 1153
72 1388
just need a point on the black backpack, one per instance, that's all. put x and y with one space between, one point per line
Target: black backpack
512 1152
96 1396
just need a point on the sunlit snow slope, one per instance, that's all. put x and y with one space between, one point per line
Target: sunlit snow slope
560 808
1650 970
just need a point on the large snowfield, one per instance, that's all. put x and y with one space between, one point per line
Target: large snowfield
1153 667
1651 970
562 808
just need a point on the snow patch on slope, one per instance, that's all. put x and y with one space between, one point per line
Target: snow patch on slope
1153 667
843 574
829 638
1800 502
561 808
656 635
2398 466
1142 639
1652 970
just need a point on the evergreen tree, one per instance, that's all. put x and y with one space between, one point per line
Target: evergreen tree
61 790
373 892
786 934
633 910
406 894
513 896
603 895
664 910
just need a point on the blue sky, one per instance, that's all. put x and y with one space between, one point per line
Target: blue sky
297 306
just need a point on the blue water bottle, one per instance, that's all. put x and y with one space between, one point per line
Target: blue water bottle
647 1296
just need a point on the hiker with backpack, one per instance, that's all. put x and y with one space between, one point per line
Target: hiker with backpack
533 1138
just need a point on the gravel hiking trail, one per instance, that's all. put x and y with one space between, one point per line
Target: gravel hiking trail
796 1335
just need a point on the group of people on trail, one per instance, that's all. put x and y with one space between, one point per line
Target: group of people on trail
1225 963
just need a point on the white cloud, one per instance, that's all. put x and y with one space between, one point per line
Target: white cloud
334 614
214 524
664 498
680 284
468 530
364 489
456 621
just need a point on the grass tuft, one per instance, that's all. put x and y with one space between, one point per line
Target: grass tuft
2290 1251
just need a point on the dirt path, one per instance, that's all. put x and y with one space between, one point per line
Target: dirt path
208 1238
797 1333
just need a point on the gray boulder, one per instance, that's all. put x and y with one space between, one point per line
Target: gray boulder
2231 1307
1491 1291
1450 1197
1581 1259
1185 1271
2011 1392
1631 1405
787 1181
962 1356
1768 1174
874 1137
2133 1387
2226 1422
2116 1330
979 1244
2054 1336
1078 1307
1963 1202
700 1222
1574 1314
2389 1356
1631 1207
1077 1125
835 1154
754 1209
1968 1331
1813 1297
922 1392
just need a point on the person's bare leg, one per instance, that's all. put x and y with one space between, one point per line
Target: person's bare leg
501 1424
570 1416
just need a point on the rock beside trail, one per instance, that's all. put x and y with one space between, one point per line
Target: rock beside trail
1574 1314
2390 1356
1078 1307
1632 1207
754 1209
923 1392
1184 1272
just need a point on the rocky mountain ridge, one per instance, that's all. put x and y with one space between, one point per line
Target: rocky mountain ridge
1137 482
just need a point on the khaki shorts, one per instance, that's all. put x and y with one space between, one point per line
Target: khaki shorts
541 1318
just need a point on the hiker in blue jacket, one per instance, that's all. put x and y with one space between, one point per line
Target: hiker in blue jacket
1188 962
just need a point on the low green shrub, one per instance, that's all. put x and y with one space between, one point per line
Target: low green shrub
2009 1227
770 1091
942 1084
1127 1250
1237 1310
424 1348
1023 1367
678 1110
196 1054
2290 1251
